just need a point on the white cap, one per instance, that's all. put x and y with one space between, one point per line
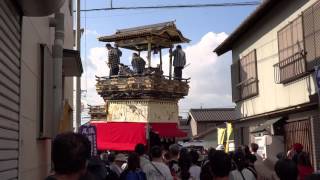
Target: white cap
121 157
220 147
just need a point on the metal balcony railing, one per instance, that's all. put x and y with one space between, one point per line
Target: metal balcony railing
290 69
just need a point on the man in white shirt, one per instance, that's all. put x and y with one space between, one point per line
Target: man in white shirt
140 150
260 165
157 169
194 170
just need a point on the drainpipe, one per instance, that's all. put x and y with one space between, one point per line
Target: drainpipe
78 79
57 53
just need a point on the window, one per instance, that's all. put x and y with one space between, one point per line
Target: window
291 52
244 77
311 27
290 39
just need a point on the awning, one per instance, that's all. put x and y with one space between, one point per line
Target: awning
266 126
72 65
167 130
120 136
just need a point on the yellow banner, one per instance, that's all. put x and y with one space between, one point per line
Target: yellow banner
221 134
229 131
65 123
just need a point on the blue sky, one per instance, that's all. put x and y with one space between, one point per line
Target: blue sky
206 27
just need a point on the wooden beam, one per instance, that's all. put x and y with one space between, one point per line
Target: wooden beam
170 64
160 54
149 53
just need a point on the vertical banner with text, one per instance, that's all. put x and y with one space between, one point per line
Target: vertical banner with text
91 133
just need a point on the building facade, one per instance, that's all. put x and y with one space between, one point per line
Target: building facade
275 51
204 123
37 65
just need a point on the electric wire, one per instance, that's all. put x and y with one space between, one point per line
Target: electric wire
250 3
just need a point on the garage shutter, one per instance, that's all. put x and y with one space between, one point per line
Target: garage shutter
10 35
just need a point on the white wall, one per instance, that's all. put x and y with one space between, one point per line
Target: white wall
34 154
142 111
263 38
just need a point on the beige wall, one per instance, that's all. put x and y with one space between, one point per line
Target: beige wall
142 111
204 126
34 157
263 38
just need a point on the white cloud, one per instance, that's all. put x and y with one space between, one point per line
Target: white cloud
91 32
96 67
210 84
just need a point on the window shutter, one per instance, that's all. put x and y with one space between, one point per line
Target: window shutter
311 27
235 80
309 37
316 19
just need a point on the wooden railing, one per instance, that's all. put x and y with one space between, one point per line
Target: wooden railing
290 69
140 86
186 80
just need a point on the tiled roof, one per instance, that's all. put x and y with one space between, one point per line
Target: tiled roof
253 18
168 29
213 114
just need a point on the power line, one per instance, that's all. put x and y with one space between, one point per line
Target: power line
251 3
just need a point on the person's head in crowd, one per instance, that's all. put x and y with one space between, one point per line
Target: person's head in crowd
140 149
104 157
304 159
120 159
220 164
290 154
174 150
135 55
254 147
133 161
166 157
95 170
194 156
178 47
245 149
156 153
286 169
185 163
297 147
111 157
183 150
239 159
211 152
70 153
108 46
281 155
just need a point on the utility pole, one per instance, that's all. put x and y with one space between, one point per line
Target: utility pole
78 79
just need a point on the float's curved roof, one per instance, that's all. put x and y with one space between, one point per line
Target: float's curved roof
162 35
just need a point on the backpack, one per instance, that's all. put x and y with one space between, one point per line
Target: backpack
134 175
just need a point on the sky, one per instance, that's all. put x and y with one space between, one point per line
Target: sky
210 85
